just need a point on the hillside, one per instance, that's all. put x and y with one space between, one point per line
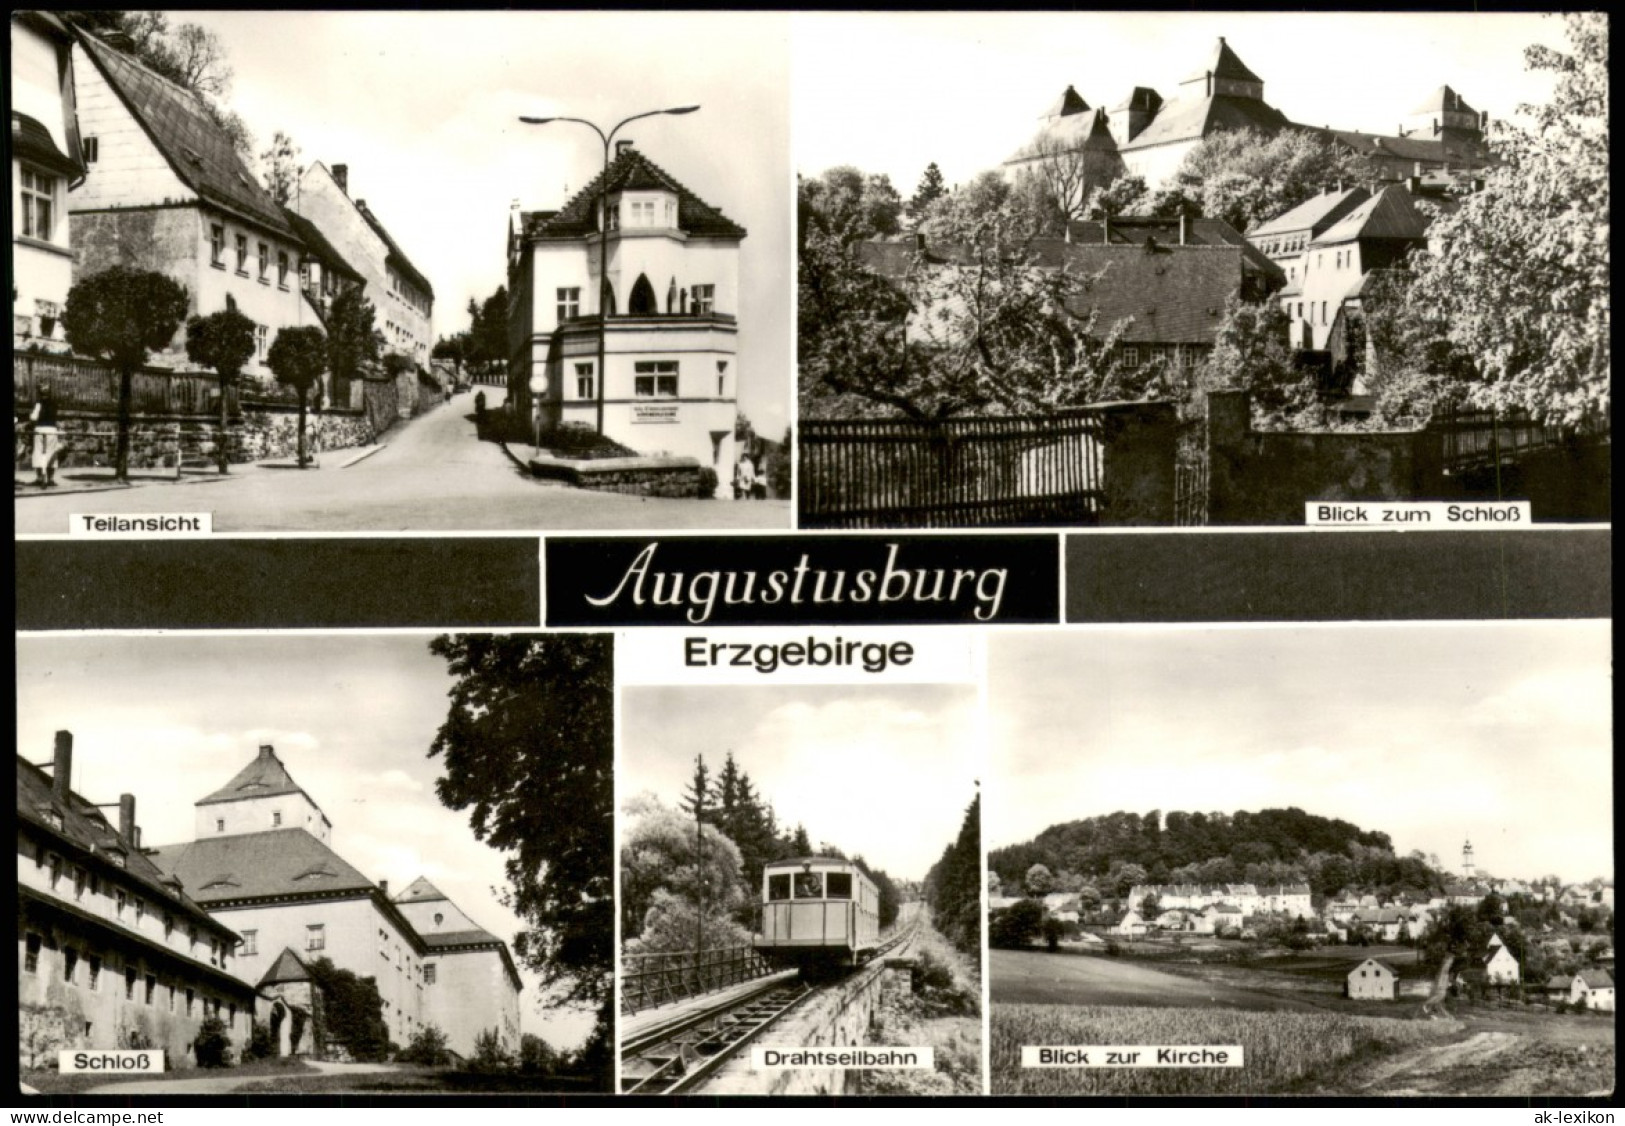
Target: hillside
1270 846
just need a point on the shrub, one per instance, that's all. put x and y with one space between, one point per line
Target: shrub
261 1044
489 1055
428 1047
707 487
212 1046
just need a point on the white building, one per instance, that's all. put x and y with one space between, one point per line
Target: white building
671 330
45 163
1373 980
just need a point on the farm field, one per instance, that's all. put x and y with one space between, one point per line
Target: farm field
1311 1054
1038 978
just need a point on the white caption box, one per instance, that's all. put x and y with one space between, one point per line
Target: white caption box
1132 1055
1418 514
144 524
879 1058
146 1061
797 655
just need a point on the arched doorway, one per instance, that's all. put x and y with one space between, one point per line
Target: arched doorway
643 302
280 1030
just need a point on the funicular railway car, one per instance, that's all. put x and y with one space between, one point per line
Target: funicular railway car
818 911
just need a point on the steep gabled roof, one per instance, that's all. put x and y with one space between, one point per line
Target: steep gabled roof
421 890
1314 215
1188 119
198 150
287 967
280 862
263 777
1459 152
631 171
396 257
319 245
1169 294
1225 63
1070 102
1388 215
1595 978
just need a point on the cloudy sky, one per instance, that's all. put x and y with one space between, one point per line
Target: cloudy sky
882 771
423 107
892 92
1498 732
173 718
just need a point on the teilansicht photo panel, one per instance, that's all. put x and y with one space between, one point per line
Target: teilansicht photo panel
1302 860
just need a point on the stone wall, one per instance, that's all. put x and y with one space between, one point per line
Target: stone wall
274 432
161 442
639 476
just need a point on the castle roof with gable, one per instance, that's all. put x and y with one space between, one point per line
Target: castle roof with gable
264 777
629 171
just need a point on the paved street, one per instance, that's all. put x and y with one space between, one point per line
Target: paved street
431 475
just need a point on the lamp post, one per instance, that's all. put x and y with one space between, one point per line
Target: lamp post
603 226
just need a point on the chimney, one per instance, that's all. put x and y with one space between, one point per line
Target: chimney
62 765
383 886
622 146
126 818
341 177
135 841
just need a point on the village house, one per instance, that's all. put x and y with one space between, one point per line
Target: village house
1130 925
111 951
262 859
1372 980
165 189
1148 137
1500 967
45 163
1593 989
671 326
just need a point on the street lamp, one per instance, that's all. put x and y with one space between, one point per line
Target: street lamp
603 220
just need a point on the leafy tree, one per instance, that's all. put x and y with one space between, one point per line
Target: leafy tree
1037 880
953 885
212 1046
848 205
800 843
535 715
697 798
427 1047
537 1056
488 330
1411 366
223 342
1052 930
1126 195
1522 278
1245 176
1066 178
354 1010
1015 926
665 850
1251 353
931 189
119 316
297 358
490 1057
261 1044
279 167
453 350
354 344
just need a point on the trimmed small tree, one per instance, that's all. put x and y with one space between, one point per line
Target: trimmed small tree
298 357
224 343
119 316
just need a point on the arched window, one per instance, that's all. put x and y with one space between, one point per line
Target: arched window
643 302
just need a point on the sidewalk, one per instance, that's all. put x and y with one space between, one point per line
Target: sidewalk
99 479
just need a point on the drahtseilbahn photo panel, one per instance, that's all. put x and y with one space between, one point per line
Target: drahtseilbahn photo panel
402 271
1303 860
316 865
800 891
1171 269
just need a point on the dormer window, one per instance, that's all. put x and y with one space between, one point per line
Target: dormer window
52 818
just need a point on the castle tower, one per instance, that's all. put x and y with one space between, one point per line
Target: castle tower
1225 75
263 796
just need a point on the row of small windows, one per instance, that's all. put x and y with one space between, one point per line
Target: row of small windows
217 257
84 969
126 907
1133 355
643 213
696 300
651 379
1325 311
399 287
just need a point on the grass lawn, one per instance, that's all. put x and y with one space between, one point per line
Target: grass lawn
49 1081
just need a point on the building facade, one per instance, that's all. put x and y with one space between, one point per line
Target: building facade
262 861
1373 980
671 328
46 163
166 190
111 951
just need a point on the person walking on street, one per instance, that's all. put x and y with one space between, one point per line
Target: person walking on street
47 440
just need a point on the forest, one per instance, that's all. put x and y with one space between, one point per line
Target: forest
1109 854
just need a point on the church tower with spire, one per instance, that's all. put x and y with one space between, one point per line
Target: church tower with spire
1468 872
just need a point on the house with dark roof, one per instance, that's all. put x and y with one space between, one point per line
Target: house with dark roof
111 950
1153 136
261 860
166 189
671 322
402 298
1593 988
45 162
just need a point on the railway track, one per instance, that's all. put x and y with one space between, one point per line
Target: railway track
680 1057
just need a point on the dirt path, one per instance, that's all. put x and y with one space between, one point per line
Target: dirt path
1490 1062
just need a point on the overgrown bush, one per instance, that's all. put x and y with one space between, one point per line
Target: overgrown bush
707 487
489 1055
212 1046
261 1044
428 1047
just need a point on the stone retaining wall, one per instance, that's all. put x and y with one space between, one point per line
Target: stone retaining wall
639 476
160 442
